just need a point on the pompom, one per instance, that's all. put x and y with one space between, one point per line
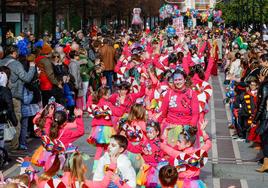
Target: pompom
23 47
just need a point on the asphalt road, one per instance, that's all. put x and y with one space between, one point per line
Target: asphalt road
231 163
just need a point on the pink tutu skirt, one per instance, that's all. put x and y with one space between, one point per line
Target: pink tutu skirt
191 183
100 135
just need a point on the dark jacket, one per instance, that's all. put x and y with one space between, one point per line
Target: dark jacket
246 103
262 111
6 106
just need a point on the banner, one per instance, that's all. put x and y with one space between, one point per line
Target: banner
178 25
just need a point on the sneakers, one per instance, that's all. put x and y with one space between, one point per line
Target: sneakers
235 136
240 140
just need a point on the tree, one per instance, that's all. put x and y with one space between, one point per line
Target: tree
243 13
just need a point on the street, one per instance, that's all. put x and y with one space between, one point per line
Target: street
231 163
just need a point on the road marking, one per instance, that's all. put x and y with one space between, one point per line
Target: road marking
213 129
244 183
228 113
216 183
10 170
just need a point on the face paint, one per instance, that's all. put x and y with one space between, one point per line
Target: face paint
179 81
151 133
182 142
113 147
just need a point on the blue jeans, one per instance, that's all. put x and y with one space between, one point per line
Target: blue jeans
109 76
23 130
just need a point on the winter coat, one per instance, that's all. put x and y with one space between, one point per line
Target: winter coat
18 76
6 106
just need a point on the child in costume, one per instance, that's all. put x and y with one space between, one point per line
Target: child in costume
124 99
60 136
69 95
133 127
75 175
246 104
152 154
189 159
44 118
179 108
124 170
102 111
168 176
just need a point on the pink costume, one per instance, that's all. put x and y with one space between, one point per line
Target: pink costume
189 173
179 108
50 147
102 126
204 91
49 120
134 131
130 99
154 159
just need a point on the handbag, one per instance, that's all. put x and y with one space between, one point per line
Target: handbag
9 131
27 96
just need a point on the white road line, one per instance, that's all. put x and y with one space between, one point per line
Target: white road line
215 155
216 183
10 170
244 183
228 113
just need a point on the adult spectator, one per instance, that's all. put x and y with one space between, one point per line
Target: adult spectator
264 60
46 76
18 78
261 117
107 54
6 105
74 69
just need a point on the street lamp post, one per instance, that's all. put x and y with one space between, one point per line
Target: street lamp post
4 22
53 26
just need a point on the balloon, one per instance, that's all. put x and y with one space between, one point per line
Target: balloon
171 31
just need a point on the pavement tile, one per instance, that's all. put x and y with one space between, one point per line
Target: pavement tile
225 148
225 183
222 129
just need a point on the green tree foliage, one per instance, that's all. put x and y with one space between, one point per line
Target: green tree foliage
244 12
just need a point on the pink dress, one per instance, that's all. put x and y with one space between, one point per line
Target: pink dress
102 126
153 157
179 108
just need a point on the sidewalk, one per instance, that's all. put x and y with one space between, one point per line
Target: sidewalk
232 163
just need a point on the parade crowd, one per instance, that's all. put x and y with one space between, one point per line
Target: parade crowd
147 93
